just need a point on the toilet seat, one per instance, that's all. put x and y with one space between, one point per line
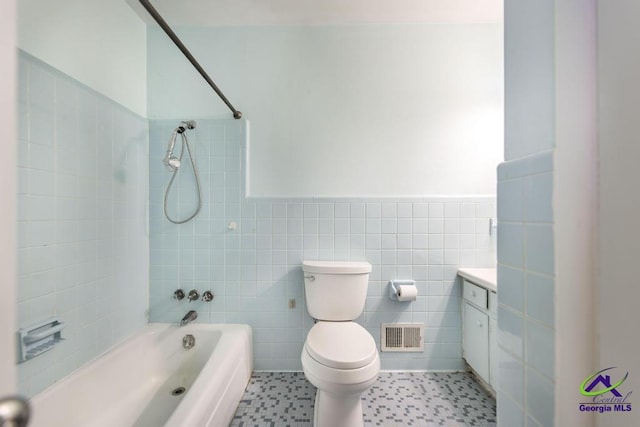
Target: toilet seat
341 345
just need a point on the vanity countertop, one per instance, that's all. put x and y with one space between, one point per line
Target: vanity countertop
485 277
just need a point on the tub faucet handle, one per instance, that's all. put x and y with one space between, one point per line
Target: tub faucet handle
207 296
179 294
193 295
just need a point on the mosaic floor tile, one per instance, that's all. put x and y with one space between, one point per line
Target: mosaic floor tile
280 399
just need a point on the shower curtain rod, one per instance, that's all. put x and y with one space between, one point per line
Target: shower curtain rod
163 24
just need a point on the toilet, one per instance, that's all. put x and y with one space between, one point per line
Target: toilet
340 357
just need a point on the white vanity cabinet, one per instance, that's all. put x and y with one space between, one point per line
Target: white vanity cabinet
475 343
479 328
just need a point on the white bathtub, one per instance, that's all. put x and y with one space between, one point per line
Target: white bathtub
132 384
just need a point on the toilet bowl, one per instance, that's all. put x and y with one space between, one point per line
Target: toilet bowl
340 357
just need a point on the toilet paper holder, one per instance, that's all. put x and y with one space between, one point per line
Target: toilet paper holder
393 284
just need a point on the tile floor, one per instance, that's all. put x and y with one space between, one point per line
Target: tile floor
397 399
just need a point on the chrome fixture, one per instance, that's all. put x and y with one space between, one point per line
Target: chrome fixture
186 124
179 294
14 412
193 295
189 317
188 341
173 163
174 38
39 338
207 296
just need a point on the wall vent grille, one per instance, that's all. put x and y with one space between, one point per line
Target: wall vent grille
402 337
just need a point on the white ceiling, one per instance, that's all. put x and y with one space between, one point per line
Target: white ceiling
321 12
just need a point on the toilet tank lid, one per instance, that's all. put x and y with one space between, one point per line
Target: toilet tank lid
336 267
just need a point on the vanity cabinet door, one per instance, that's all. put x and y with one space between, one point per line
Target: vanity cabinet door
493 353
476 340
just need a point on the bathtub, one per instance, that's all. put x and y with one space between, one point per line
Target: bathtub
138 383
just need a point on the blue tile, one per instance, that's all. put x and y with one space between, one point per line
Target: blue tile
511 332
539 249
539 192
540 398
540 298
511 283
510 244
511 377
541 348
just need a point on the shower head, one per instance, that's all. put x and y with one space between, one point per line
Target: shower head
170 161
186 125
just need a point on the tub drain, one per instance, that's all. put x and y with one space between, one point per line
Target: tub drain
178 391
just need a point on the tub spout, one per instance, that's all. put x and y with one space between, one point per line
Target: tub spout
189 317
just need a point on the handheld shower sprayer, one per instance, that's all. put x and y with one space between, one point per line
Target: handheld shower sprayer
173 162
170 161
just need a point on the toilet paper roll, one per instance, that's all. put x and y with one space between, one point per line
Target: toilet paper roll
407 292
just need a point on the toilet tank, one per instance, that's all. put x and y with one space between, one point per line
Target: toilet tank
335 291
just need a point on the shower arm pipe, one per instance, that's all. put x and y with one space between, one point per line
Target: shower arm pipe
163 24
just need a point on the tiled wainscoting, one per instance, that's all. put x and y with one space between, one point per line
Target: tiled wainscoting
255 269
526 325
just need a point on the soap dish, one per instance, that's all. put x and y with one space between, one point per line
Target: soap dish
39 338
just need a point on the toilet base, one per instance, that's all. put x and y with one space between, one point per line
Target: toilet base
337 411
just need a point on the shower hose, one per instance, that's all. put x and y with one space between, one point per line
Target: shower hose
185 143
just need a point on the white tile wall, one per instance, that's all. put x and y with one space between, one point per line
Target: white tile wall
255 270
82 219
526 286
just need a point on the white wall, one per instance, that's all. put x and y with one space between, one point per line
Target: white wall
101 43
8 197
618 291
575 204
347 110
